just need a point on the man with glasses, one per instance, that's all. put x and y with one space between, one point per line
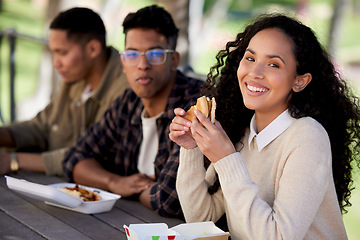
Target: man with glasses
92 80
154 56
129 152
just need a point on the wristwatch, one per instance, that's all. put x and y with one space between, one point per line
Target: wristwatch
14 165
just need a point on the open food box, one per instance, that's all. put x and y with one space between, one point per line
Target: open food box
184 231
52 195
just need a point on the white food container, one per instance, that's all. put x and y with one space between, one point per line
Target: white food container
55 197
184 231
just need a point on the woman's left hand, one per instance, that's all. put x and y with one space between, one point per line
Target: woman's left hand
211 138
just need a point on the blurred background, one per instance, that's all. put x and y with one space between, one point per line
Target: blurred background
27 79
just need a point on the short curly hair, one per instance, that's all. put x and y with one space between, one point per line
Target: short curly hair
327 98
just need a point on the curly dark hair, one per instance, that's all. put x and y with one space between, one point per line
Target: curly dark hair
327 98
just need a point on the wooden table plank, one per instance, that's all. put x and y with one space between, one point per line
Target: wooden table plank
131 207
34 218
33 215
117 218
87 224
11 229
139 211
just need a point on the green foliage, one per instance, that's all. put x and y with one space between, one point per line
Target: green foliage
25 18
352 218
286 3
352 30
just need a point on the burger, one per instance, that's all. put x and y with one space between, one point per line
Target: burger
206 106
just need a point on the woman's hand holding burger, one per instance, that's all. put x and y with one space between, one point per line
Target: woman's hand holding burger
206 132
179 130
211 138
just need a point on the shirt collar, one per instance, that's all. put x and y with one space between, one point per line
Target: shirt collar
272 131
149 119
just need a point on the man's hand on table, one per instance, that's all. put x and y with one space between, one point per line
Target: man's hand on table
130 185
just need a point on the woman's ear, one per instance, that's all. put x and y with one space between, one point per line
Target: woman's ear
93 48
301 82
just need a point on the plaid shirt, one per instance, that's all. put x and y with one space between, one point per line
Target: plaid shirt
115 143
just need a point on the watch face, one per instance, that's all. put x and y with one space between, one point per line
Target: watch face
14 165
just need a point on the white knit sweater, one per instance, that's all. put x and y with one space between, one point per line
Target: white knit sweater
285 191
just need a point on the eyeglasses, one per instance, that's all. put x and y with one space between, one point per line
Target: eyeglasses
154 56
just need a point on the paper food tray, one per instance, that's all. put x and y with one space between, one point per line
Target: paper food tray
51 195
185 231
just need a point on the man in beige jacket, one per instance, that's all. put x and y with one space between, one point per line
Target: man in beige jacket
92 79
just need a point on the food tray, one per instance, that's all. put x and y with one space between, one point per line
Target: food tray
51 195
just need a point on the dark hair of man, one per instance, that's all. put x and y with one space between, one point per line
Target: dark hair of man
153 17
81 25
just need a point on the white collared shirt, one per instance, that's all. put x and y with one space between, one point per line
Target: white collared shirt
272 131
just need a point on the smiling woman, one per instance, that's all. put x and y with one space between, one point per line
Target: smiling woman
268 76
284 148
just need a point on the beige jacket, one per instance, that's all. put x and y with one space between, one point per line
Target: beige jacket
65 118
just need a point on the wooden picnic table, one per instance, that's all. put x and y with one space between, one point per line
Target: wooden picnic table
22 217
